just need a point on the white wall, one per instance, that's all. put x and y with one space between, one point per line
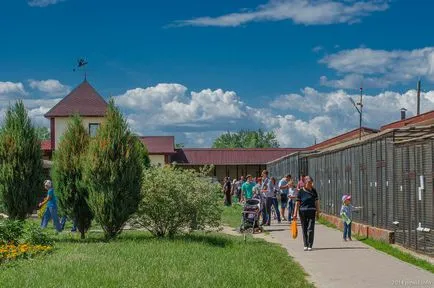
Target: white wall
62 122
157 160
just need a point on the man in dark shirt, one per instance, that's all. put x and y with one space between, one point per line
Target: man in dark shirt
308 205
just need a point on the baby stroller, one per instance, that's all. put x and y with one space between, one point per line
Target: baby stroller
250 216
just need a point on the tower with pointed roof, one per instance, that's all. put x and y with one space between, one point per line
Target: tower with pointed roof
85 101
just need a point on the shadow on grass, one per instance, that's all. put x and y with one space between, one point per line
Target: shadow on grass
209 239
142 236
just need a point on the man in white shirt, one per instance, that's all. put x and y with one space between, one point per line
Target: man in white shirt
284 190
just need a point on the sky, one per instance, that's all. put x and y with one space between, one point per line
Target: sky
196 69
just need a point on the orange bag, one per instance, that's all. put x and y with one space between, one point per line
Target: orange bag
294 231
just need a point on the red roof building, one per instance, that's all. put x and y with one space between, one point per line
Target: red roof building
230 156
159 144
84 100
421 119
351 135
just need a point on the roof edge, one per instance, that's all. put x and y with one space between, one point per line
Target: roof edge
388 126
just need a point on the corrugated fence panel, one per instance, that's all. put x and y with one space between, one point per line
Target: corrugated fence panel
382 177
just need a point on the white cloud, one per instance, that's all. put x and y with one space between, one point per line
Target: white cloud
168 104
317 49
50 86
384 68
43 3
299 11
379 109
355 81
8 89
196 118
36 109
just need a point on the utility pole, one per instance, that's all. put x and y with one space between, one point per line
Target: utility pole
418 97
361 112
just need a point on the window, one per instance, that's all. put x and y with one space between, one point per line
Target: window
93 127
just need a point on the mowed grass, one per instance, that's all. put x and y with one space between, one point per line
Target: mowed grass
137 259
232 215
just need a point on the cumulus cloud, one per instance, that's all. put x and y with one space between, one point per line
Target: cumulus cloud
379 109
36 108
196 118
43 3
51 87
379 68
169 104
8 89
299 119
305 12
355 81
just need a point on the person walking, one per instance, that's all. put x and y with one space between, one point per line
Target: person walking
259 194
268 190
227 190
300 183
284 190
274 200
308 205
292 195
239 185
247 188
51 211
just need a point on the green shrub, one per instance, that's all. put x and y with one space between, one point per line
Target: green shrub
176 200
113 173
67 173
33 234
11 231
20 163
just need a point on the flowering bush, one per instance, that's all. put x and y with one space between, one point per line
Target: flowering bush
177 200
19 239
11 251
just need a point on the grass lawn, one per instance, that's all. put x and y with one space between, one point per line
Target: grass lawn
232 215
136 259
389 249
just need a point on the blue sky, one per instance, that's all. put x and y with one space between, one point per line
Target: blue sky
198 68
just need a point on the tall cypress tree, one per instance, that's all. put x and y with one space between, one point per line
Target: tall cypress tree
21 169
113 173
67 174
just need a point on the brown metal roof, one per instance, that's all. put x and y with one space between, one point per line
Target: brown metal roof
235 156
83 100
159 144
422 119
348 136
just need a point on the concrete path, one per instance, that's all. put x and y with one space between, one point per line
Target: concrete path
333 263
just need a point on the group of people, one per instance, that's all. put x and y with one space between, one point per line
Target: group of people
300 199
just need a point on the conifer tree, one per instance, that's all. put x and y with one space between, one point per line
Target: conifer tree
113 172
67 175
21 169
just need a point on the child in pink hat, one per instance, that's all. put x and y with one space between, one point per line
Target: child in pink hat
346 214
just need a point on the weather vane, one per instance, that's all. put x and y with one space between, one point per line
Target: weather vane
81 65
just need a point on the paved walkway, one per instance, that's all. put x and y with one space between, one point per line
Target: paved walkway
333 263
